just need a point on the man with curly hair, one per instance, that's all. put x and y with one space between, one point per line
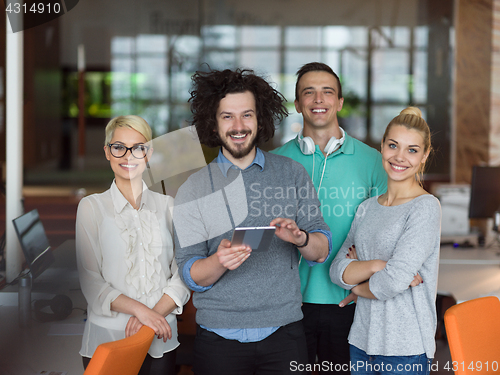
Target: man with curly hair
248 301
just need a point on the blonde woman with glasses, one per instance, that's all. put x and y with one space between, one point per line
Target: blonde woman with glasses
125 255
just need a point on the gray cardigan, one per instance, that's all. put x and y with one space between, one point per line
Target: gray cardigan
402 320
265 290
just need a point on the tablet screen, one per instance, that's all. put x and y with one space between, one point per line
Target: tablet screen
258 238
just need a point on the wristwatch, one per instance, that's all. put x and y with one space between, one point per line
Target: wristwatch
307 238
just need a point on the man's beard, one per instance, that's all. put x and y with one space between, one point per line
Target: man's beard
239 151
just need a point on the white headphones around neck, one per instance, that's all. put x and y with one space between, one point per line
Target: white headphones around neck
307 145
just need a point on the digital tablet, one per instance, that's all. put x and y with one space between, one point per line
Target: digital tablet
258 238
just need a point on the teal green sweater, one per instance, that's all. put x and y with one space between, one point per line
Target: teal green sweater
352 174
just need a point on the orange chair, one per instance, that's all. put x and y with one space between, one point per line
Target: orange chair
121 357
473 330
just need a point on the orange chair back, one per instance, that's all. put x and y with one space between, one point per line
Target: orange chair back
121 357
473 330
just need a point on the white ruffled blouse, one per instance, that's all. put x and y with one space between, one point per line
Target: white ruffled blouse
121 250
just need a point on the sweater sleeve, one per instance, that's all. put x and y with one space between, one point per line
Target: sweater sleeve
309 216
190 234
175 288
340 263
417 242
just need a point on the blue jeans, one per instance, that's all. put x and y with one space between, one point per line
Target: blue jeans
364 364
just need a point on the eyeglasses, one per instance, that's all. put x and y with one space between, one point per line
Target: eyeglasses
118 150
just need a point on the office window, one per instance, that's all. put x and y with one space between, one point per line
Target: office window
382 70
391 77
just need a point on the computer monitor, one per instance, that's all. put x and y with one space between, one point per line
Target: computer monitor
34 242
484 192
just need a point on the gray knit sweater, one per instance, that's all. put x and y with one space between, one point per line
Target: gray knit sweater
265 290
402 320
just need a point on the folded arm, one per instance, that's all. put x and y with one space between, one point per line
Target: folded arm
361 270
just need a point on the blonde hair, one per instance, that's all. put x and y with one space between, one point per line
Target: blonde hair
130 121
411 118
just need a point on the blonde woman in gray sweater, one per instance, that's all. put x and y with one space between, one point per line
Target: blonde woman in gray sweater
390 260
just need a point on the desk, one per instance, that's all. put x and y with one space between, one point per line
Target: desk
468 273
471 255
62 276
51 345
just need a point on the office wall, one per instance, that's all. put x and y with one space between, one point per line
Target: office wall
42 94
494 144
477 87
94 22
2 97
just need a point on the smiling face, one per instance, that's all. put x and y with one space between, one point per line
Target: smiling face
403 154
237 125
318 100
127 167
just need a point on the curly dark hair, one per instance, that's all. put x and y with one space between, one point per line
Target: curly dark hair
315 67
209 88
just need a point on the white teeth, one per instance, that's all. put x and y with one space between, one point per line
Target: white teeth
319 110
239 136
128 165
399 168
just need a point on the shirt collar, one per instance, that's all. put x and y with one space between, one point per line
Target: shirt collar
348 145
224 164
119 201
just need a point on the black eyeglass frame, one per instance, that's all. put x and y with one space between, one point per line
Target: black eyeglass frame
127 149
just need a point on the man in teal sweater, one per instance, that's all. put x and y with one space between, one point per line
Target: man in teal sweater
344 172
